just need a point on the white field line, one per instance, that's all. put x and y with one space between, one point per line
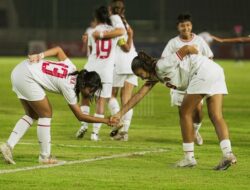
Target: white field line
63 163
95 146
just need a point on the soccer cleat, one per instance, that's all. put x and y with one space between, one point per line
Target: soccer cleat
226 162
7 153
47 160
94 137
198 139
114 132
81 132
186 163
122 136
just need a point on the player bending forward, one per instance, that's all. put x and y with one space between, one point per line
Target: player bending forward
201 78
30 78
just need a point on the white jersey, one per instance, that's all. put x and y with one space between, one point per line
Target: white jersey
123 59
53 76
179 72
176 43
102 56
206 37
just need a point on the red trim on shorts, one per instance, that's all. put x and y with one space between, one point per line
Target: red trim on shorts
26 121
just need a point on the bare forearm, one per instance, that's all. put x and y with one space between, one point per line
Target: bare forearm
91 119
114 33
128 44
240 39
136 98
56 51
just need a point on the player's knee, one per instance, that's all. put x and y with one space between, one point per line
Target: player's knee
215 117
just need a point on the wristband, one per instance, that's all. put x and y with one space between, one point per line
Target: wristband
101 35
41 55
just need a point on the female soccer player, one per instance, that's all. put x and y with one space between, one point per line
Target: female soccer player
186 37
201 78
124 77
30 78
100 60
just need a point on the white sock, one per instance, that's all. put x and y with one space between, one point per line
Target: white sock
127 120
43 134
188 149
113 105
196 126
225 146
20 129
85 110
97 126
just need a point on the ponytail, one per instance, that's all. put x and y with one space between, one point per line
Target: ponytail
117 7
143 61
102 15
87 79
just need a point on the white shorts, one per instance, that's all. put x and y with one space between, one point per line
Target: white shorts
177 97
24 85
120 79
209 80
106 90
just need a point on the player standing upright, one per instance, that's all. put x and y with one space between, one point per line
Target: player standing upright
124 77
101 60
186 37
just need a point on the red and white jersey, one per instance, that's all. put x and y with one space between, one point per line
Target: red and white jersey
206 37
176 43
53 76
102 56
123 59
179 72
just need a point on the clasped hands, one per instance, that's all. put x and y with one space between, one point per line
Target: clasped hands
115 121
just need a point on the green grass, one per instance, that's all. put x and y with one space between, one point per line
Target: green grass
154 126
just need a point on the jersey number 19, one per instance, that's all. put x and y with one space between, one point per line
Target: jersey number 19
103 48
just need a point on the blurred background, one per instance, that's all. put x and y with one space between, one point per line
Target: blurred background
31 25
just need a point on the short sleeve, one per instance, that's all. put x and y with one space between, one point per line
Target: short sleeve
206 51
168 50
116 21
69 94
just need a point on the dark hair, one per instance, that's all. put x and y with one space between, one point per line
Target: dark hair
118 7
143 61
87 79
184 18
102 15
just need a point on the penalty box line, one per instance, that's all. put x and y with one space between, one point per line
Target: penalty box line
65 163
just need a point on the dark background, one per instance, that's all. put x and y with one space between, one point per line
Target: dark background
154 21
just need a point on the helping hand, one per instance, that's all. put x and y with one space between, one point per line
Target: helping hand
34 58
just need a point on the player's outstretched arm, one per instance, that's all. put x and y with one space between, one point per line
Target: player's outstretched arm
137 97
56 51
90 119
231 40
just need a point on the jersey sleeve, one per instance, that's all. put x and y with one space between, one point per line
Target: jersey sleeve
168 50
69 94
117 21
206 51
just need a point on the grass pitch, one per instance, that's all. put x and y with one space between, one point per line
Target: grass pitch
155 127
